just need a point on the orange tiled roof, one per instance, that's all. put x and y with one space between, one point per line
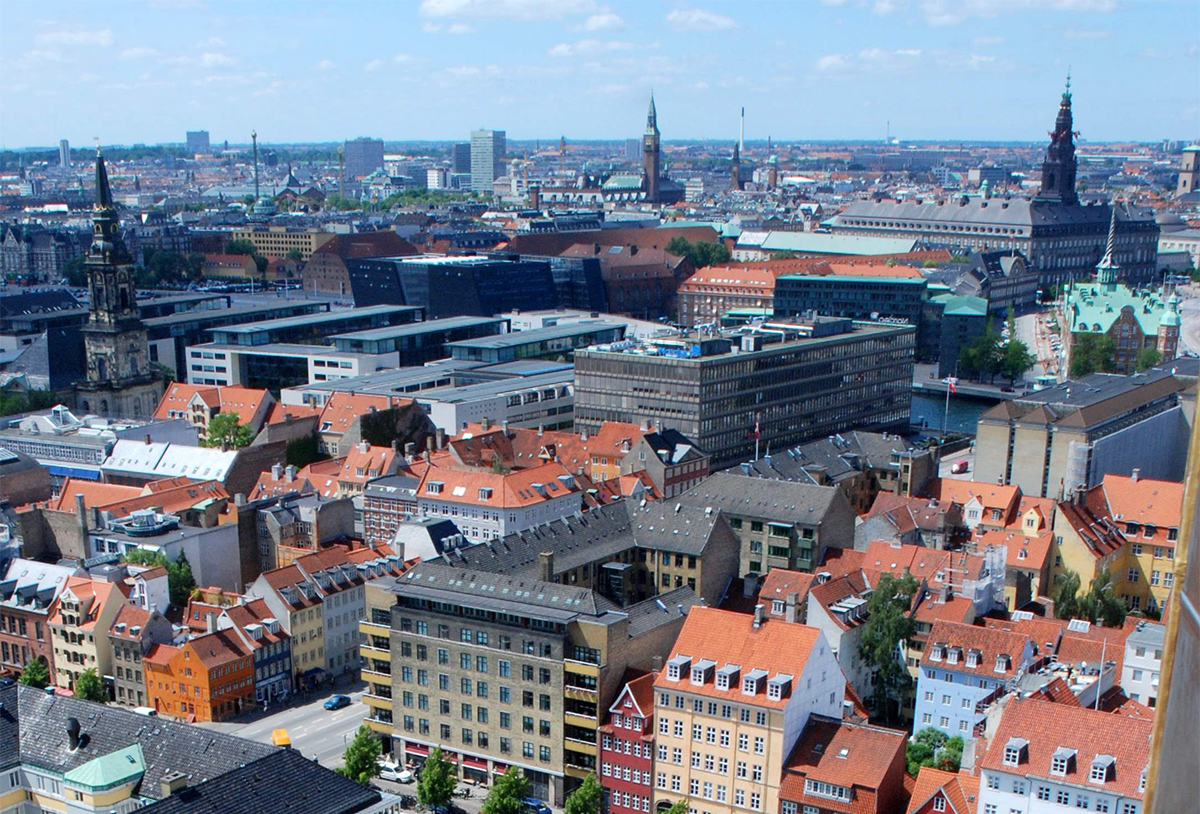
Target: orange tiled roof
1144 501
171 500
280 413
990 495
989 643
728 637
342 408
513 489
94 494
780 582
1023 551
244 402
846 754
131 616
1048 727
959 789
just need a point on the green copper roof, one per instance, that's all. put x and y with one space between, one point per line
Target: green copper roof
111 770
962 305
1094 307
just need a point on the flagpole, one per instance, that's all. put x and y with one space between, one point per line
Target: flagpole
946 411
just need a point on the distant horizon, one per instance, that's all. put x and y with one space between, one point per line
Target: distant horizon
983 71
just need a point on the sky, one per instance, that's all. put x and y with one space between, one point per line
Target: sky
305 71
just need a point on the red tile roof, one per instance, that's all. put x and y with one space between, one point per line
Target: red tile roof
856 756
728 637
131 616
779 583
1144 501
244 402
94 494
987 642
959 789
1048 727
1023 551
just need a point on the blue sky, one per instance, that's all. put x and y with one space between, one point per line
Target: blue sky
434 69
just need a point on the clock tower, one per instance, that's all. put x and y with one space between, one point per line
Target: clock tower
651 158
120 382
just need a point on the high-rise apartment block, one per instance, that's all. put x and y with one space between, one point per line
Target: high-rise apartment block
362 157
487 158
64 153
197 141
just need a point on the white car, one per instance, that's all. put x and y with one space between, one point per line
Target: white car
394 772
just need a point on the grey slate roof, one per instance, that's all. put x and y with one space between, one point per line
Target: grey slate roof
661 610
779 500
438 582
1015 212
33 732
284 782
840 456
586 538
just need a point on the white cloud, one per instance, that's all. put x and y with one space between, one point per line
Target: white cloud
462 71
215 60
102 37
602 21
885 7
988 40
524 11
373 65
698 19
89 77
1086 34
138 52
324 65
402 58
589 48
211 42
880 62
459 28
952 12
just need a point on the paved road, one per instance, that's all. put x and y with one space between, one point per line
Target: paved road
314 730
1032 330
1189 311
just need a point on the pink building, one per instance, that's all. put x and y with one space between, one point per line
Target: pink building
627 748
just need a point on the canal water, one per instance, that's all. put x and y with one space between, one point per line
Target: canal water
927 409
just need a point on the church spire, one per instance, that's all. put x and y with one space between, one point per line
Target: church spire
652 118
1059 166
1107 268
104 199
107 246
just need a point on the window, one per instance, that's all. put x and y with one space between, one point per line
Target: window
939 803
993 782
1043 792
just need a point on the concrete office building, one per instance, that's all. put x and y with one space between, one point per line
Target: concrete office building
460 158
64 153
1051 441
362 156
722 390
487 159
503 671
277 241
197 141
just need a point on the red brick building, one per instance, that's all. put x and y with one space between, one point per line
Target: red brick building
326 270
29 594
627 748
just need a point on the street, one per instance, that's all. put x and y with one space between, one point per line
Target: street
1031 329
314 730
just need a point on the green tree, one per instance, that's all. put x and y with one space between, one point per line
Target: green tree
438 780
36 674
89 687
508 793
889 623
1148 358
701 253
180 581
983 356
1015 359
677 807
360 761
294 255
15 401
1092 353
303 451
144 556
240 246
1099 604
1010 321
1066 595
224 428
931 747
75 273
586 799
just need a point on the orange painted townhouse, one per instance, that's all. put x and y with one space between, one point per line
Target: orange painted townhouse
209 678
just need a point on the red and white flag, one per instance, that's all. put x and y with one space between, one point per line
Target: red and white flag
952 383
757 429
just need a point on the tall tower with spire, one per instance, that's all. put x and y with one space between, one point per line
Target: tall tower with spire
1058 168
120 382
1107 269
735 171
651 157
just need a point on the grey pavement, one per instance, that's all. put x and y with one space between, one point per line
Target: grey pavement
314 730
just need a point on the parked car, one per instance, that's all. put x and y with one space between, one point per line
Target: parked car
337 702
389 770
535 806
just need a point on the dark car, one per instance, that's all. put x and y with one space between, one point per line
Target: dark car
337 702
535 806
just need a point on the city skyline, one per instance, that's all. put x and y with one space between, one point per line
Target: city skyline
587 69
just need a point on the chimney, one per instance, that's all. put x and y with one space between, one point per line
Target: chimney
276 471
398 547
428 445
1080 495
410 451
789 608
583 436
170 783
440 438
239 499
758 616
210 621
395 445
81 512
504 426
485 424
656 663
596 248
546 566
146 438
363 446
289 473
633 249
74 733
541 429
644 426
1136 474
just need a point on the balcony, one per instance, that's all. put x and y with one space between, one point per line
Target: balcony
577 719
382 727
581 746
377 701
579 694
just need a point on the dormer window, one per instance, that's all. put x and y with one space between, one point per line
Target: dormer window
1014 750
1062 761
936 654
1101 771
973 658
1003 663
727 677
953 655
485 493
678 667
702 670
752 683
434 487
777 687
1142 781
777 607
